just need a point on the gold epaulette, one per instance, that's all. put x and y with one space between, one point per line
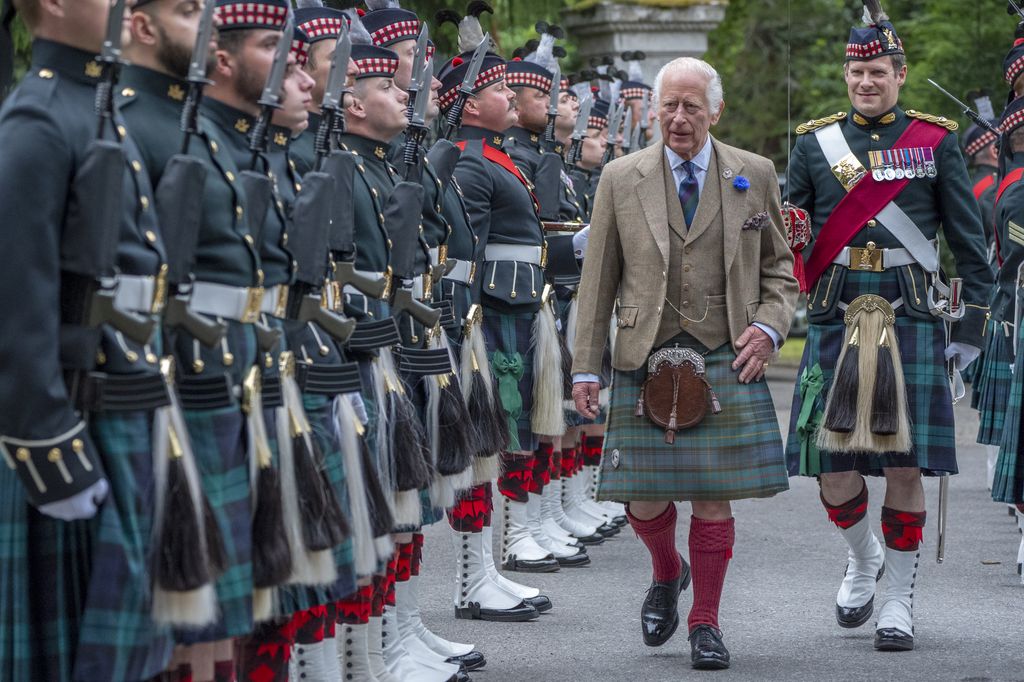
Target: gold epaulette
951 126
816 123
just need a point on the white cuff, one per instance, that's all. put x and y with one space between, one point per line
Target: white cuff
579 242
80 506
584 378
776 337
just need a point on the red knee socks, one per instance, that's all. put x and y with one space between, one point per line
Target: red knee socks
848 513
659 535
710 550
902 529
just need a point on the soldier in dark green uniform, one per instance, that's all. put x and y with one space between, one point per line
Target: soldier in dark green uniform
1008 476
209 380
878 266
76 437
588 170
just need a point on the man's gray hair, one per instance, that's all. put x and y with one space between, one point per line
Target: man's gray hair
714 93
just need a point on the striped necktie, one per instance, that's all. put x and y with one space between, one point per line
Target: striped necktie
689 193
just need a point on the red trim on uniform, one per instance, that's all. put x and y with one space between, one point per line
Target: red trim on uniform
981 185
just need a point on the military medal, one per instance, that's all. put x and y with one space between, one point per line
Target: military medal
892 171
876 166
929 163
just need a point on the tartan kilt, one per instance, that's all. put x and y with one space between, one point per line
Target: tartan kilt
992 385
929 403
220 443
733 455
512 335
1008 485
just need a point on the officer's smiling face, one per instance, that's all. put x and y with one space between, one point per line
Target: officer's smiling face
684 112
874 86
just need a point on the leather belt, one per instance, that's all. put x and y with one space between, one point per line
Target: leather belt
242 304
873 259
464 271
521 253
370 336
205 392
141 293
102 392
329 379
275 300
424 361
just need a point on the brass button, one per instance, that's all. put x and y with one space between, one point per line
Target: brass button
78 445
380 218
45 74
280 205
229 359
249 240
54 455
151 236
122 131
284 239
131 356
136 166
686 287
128 92
268 361
23 454
101 358
238 211
151 358
198 366
298 187
144 202
230 176
872 223
389 243
875 137
214 146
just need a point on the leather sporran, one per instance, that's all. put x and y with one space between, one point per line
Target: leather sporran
676 394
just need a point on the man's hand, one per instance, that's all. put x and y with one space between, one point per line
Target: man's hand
587 396
84 505
962 354
755 349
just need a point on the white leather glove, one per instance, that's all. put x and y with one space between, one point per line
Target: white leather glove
579 242
962 354
84 505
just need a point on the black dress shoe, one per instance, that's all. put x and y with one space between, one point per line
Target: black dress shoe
516 614
474 660
540 602
595 539
855 616
608 530
707 651
659 615
891 639
577 560
620 521
546 565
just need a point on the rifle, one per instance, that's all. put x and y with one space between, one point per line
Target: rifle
402 214
454 117
177 204
968 112
419 57
613 134
556 91
579 132
331 107
271 97
418 121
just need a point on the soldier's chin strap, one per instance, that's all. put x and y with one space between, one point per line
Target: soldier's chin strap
6 47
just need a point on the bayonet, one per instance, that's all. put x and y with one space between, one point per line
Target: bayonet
271 97
419 57
580 131
454 117
417 122
197 79
627 132
967 111
645 114
1012 7
110 58
331 106
637 134
556 92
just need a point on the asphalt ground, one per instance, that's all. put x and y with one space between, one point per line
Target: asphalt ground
778 609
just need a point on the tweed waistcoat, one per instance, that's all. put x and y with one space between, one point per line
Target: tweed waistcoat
696 274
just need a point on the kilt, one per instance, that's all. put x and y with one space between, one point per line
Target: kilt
992 385
733 455
929 403
221 447
1008 485
509 339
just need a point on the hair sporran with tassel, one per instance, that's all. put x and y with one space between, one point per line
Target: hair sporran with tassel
866 408
482 402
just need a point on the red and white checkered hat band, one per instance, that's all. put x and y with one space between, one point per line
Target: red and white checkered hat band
376 66
564 84
485 78
634 93
527 79
300 48
324 27
400 30
1014 120
984 140
252 14
872 49
1014 70
430 51
597 122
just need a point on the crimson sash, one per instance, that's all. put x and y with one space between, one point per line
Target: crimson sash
864 201
495 155
1011 177
982 185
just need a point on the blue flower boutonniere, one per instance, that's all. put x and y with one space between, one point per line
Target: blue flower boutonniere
741 183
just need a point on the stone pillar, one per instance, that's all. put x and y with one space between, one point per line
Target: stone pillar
680 29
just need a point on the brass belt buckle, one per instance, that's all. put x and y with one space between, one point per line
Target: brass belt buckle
868 259
253 303
281 304
159 291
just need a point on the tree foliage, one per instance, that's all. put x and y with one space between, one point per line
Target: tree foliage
763 45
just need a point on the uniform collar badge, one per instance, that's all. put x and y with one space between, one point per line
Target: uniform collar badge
93 69
176 92
242 125
379 152
497 140
280 139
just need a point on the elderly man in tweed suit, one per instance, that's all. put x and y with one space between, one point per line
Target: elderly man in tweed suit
686 244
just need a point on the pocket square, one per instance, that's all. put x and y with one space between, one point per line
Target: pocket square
758 221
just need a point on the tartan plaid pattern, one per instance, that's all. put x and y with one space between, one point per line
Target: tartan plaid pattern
321 27
269 14
512 333
472 510
733 455
300 48
634 93
867 50
117 639
373 67
1008 485
220 445
484 78
992 385
929 403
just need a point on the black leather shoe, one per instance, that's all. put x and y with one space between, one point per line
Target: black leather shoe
540 602
516 614
620 521
577 560
545 565
595 539
659 615
707 651
608 530
891 639
855 616
474 660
